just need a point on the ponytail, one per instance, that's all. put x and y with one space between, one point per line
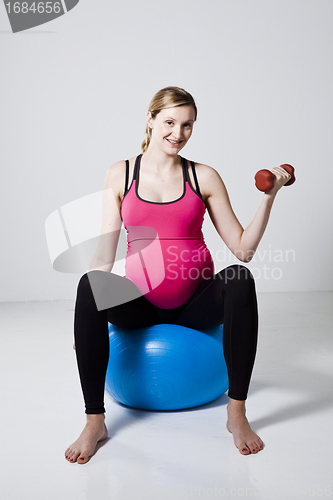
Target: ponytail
146 140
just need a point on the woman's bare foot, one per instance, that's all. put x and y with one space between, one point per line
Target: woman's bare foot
245 439
94 431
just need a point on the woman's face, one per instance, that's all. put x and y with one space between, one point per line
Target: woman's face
172 128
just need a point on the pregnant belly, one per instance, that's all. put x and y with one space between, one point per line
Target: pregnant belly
168 271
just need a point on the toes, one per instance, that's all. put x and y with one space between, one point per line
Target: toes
74 456
244 450
259 445
70 455
82 459
254 447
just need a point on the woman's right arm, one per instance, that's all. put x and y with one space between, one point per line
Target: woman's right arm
113 188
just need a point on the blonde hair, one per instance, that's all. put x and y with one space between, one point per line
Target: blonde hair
169 97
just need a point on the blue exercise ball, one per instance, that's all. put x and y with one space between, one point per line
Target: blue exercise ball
166 367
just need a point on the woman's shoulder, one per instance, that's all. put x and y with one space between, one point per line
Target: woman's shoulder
204 169
117 170
205 173
208 179
116 175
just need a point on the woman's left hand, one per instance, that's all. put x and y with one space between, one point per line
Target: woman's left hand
281 178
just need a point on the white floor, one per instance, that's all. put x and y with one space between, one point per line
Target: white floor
184 454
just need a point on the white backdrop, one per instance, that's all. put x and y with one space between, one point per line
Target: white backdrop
74 98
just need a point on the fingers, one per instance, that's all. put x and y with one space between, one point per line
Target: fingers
281 172
282 176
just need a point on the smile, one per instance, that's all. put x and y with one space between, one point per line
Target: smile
173 142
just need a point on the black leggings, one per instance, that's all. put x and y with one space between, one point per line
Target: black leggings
228 297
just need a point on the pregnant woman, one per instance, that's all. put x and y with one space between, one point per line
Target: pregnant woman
161 199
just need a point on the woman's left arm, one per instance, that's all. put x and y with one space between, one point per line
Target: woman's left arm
241 242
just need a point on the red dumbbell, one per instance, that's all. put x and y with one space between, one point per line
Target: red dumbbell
264 179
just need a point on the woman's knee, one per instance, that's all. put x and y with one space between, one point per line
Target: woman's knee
239 280
89 278
84 291
237 273
83 283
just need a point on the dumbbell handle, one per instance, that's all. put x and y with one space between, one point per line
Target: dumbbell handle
264 179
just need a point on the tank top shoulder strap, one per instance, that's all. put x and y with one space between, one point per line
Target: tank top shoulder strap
195 178
126 177
197 189
136 166
135 172
185 172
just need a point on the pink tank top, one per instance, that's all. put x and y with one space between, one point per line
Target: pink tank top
167 257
